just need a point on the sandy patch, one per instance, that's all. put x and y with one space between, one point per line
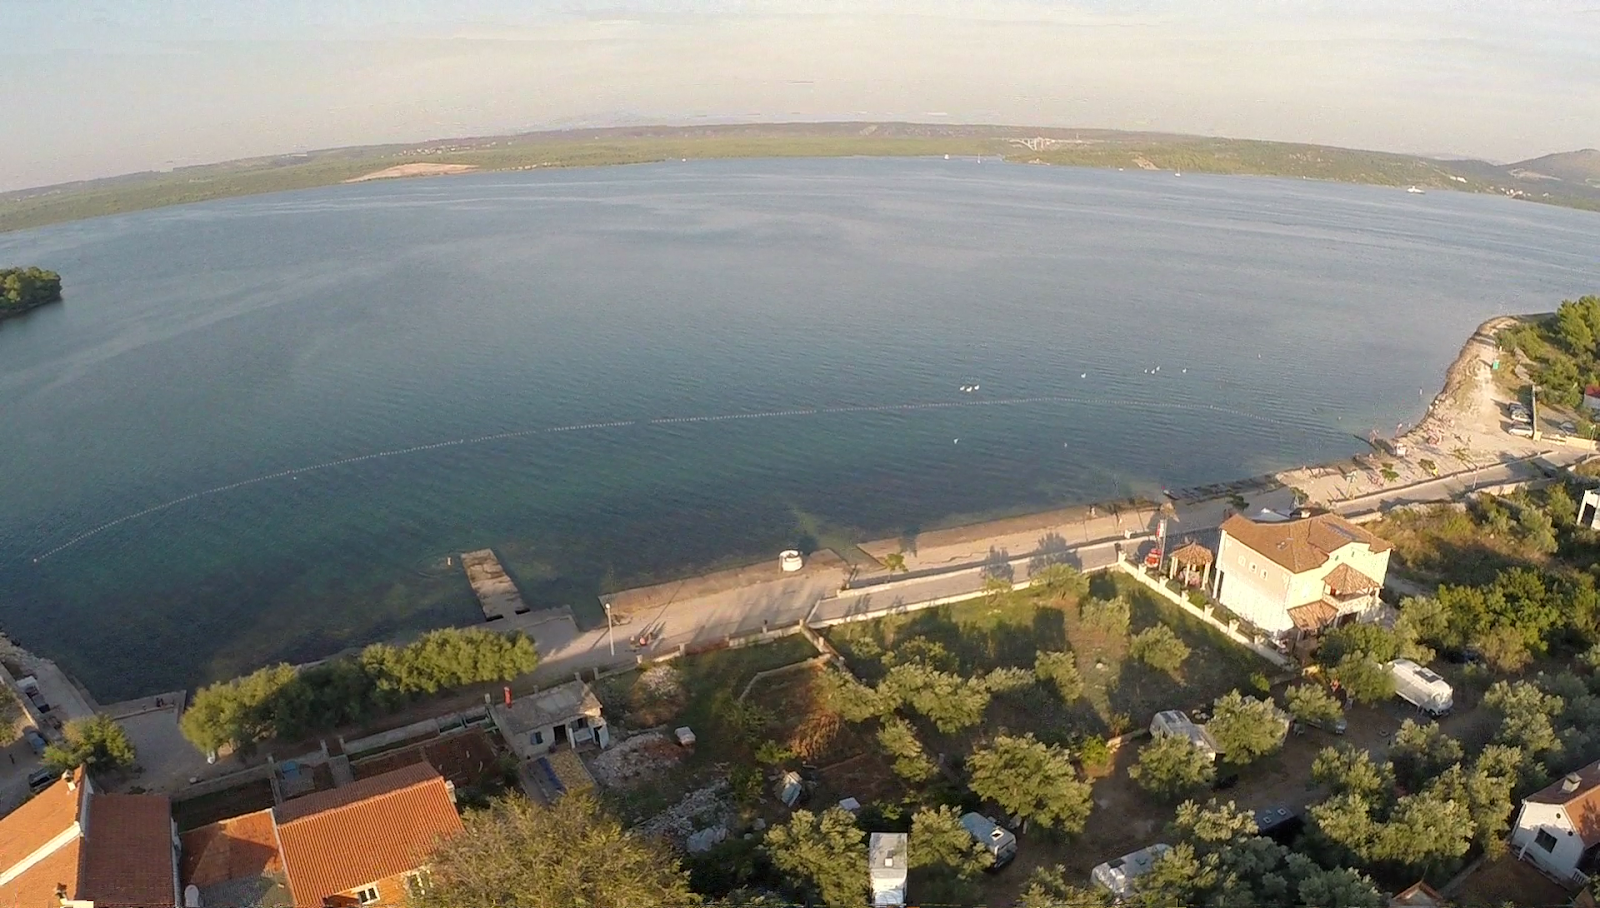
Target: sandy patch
414 170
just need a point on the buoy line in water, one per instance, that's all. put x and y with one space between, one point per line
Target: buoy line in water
675 420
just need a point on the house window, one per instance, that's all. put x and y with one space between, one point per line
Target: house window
537 737
418 883
1545 840
367 894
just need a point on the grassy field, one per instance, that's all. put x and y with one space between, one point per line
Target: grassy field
1119 693
1086 148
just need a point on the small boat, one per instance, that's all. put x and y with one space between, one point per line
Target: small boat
1415 190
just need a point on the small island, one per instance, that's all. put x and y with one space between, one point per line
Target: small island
22 289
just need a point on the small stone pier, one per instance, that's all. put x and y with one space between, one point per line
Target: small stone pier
496 593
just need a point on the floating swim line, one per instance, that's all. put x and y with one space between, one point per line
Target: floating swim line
679 420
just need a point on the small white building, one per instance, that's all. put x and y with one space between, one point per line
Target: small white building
539 723
1117 876
886 855
1558 828
1296 577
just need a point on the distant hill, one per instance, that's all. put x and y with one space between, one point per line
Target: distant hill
1580 167
1571 179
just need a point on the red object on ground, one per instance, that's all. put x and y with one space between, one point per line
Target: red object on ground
508 694
1153 560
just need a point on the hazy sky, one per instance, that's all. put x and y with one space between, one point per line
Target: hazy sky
98 87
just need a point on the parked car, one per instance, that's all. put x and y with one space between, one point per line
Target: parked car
1337 726
1569 427
1462 655
1520 430
40 779
35 740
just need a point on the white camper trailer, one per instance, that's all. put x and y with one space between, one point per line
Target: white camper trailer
995 839
1177 722
1117 876
887 855
1421 687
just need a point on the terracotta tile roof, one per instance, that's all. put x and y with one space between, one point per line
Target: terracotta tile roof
1345 580
241 848
327 839
127 852
36 887
1582 804
26 829
1302 544
1313 615
1192 554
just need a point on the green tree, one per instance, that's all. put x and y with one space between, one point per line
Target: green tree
1364 678
1108 616
950 701
1374 640
1313 705
1061 580
516 854
1048 888
1246 728
1213 824
824 854
1158 647
1031 780
843 694
1171 767
234 713
95 741
1525 716
1007 679
1061 671
1419 753
895 562
1352 770
949 859
900 742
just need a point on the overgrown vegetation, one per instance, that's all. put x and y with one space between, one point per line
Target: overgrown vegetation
22 289
1564 349
283 702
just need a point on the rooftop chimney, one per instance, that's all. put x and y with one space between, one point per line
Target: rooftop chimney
61 893
1570 783
72 783
1302 513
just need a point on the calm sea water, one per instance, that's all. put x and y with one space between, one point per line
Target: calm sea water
214 344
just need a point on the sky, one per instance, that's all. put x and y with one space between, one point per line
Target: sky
92 88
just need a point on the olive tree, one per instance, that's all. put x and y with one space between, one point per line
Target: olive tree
1158 647
1171 767
824 854
1031 780
1246 728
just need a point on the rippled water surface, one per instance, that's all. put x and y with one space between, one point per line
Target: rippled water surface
188 441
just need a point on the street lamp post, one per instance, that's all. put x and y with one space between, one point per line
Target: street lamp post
610 638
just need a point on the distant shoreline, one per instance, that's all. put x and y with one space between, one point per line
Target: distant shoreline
1101 149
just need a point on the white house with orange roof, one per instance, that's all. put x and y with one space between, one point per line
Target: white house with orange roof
1558 827
1298 576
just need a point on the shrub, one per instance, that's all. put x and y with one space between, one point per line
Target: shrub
1061 670
1093 752
899 740
1159 648
1109 616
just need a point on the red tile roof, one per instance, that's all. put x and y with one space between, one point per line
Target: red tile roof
331 841
1302 544
1582 804
26 829
1345 580
242 848
1313 616
120 856
127 852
